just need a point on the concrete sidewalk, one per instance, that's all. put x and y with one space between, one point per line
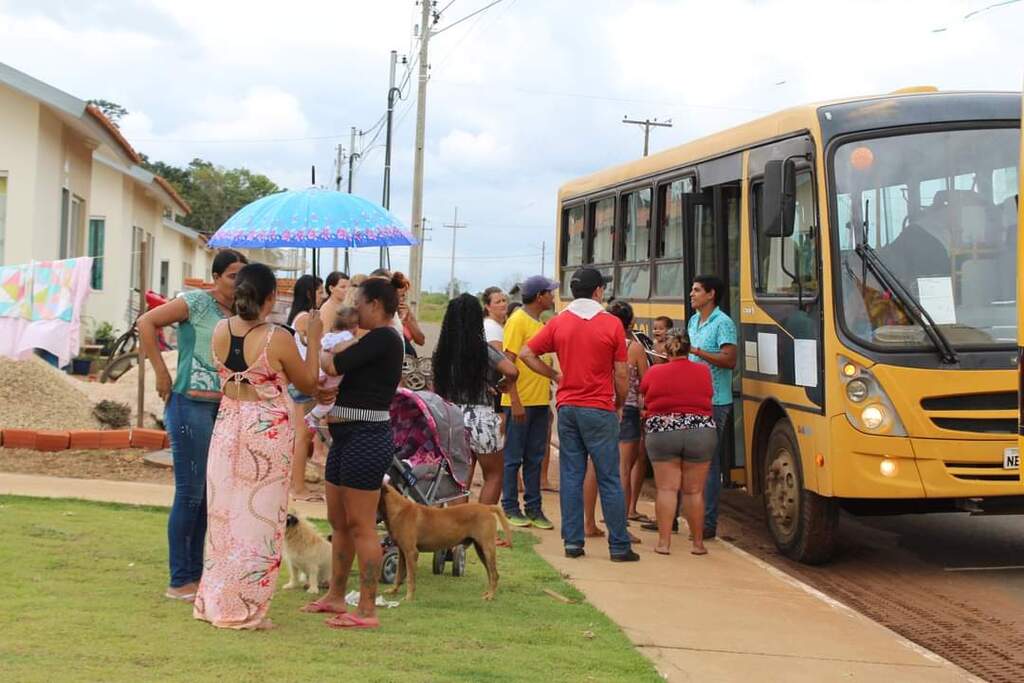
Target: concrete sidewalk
722 617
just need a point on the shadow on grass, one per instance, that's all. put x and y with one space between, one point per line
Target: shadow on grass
82 594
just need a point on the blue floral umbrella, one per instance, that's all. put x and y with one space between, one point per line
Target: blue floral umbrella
313 218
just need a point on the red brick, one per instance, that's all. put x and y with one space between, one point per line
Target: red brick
115 438
149 439
85 440
52 441
19 438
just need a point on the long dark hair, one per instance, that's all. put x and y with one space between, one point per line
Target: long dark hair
460 359
303 296
624 312
253 286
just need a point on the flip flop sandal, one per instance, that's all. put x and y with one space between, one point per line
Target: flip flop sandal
349 620
640 517
319 607
311 498
186 597
662 552
502 543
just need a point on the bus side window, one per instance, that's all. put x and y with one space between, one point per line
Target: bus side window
573 234
783 262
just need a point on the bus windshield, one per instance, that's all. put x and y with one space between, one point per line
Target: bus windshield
940 211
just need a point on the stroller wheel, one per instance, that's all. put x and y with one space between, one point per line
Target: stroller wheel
389 565
440 557
459 560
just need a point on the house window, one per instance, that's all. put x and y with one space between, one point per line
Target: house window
3 212
186 271
151 252
165 276
72 210
97 236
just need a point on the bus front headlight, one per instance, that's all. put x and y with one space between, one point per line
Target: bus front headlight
873 416
868 407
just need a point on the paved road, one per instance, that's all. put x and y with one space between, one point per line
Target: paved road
950 582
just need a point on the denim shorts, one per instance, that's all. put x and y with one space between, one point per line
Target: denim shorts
629 426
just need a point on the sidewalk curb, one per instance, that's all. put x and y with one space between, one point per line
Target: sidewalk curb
849 611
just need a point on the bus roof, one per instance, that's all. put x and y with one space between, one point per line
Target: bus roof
792 120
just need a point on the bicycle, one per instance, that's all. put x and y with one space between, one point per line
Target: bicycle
124 352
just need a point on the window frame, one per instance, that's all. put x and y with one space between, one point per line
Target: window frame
96 252
755 261
666 181
589 228
619 244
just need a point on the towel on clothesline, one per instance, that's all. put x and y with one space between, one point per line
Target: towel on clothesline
15 290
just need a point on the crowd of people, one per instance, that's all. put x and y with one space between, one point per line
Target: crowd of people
251 398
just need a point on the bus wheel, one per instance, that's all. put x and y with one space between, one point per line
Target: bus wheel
802 523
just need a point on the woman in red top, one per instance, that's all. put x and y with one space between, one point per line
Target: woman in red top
681 437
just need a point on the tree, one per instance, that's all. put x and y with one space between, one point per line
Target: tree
112 110
213 192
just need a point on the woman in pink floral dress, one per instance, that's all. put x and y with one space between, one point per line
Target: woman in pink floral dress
250 455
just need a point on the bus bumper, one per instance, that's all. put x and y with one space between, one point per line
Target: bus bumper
857 459
919 468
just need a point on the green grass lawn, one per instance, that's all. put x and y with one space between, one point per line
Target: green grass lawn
81 599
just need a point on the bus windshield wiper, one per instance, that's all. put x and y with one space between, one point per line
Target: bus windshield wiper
914 309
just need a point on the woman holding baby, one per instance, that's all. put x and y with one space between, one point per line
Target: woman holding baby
362 448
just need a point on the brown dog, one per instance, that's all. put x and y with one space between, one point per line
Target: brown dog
417 528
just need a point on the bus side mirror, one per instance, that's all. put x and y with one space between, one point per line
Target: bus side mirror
778 199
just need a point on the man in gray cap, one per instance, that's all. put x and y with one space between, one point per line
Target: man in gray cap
526 408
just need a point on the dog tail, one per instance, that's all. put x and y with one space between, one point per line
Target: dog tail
500 514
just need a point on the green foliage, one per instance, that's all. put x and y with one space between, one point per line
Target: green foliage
433 306
112 110
213 192
103 333
84 584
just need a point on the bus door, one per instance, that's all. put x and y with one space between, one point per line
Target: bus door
783 338
714 241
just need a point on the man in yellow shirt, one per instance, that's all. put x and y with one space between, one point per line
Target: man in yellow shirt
526 409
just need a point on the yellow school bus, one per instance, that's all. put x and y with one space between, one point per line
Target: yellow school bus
868 250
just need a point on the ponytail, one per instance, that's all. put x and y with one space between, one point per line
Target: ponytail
253 286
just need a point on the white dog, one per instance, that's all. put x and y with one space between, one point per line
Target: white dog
307 555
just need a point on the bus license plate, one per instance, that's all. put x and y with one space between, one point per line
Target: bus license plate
1011 459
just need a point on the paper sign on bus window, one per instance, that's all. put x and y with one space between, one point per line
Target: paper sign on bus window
805 362
767 353
936 296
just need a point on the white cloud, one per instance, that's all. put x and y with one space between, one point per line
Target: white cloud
521 99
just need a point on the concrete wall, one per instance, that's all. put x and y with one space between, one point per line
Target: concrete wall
19 123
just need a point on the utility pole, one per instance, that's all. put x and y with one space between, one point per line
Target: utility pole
455 226
543 254
386 199
416 253
352 156
648 124
337 186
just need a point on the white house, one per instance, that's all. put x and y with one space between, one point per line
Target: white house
71 185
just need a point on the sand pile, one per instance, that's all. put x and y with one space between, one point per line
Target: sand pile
36 395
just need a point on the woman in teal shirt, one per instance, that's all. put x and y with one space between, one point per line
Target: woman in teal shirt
191 410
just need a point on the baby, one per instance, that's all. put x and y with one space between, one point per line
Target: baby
346 322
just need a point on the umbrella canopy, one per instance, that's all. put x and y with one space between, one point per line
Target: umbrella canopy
311 218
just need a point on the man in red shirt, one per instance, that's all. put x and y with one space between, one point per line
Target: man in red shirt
591 351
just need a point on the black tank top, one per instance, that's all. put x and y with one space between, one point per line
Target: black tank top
236 350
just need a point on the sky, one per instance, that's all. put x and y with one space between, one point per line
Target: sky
521 98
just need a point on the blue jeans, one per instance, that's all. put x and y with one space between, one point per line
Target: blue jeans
713 486
525 446
583 431
189 427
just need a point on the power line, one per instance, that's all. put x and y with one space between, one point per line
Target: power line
468 16
590 96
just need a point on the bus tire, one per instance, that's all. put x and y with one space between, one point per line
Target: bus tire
802 523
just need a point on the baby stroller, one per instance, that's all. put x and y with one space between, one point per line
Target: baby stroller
430 466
